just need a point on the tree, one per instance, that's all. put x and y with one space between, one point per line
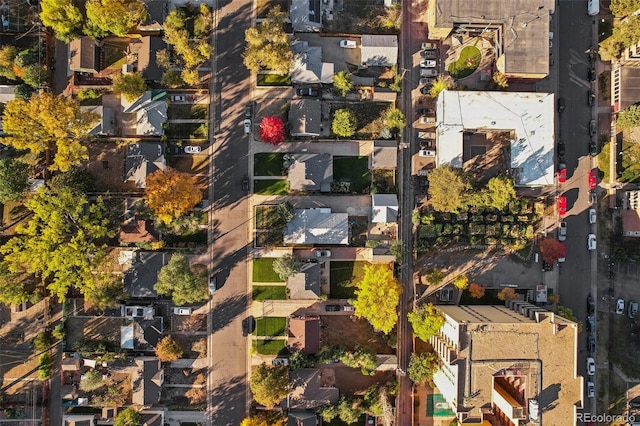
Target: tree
269 384
507 293
268 46
196 396
500 80
630 161
46 122
35 75
448 189
285 211
63 17
171 193
76 179
127 417
566 313
395 119
349 410
265 418
14 180
286 266
8 54
59 243
131 86
172 79
58 332
435 276
442 82
272 130
377 297
422 367
91 380
461 281
41 342
23 91
168 350
621 8
344 123
629 118
342 83
188 36
425 321
552 250
178 279
500 191
117 17
328 412
476 291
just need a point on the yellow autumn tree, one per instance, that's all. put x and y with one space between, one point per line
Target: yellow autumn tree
49 123
377 297
171 193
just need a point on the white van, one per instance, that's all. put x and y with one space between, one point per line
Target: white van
593 7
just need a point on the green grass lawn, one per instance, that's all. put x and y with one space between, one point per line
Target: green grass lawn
268 164
187 111
273 80
271 326
269 292
263 271
187 130
270 347
271 186
267 217
343 277
354 170
467 63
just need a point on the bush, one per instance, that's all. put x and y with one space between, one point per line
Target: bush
91 381
42 342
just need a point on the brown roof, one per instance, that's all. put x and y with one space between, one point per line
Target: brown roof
304 334
137 231
82 55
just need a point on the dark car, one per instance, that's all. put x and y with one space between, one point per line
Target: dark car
590 304
429 54
307 91
593 127
174 150
591 344
560 105
562 149
424 90
593 148
425 111
591 75
248 325
591 98
332 308
245 184
247 111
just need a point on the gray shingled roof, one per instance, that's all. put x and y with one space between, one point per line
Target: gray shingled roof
311 172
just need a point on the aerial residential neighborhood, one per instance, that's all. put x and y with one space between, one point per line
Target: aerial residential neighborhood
319 212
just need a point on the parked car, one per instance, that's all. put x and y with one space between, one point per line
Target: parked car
561 149
247 126
425 88
591 242
212 284
248 325
591 343
248 110
633 309
192 149
307 91
371 421
591 75
591 306
426 135
426 120
563 231
593 128
592 216
591 366
173 150
593 179
562 173
425 111
429 54
591 98
348 44
593 148
426 153
280 361
429 72
348 308
178 98
332 308
245 184
323 253
182 311
619 306
561 105
562 205
426 45
591 323
591 390
428 63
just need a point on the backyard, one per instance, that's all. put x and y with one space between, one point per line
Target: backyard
343 277
270 326
271 186
466 63
383 181
368 116
263 271
355 171
268 164
269 292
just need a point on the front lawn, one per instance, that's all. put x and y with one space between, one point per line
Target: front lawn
343 277
186 130
271 186
268 164
269 292
270 347
270 326
263 271
267 217
273 80
187 111
354 170
467 63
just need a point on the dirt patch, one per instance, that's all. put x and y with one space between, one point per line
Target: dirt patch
186 376
193 346
342 330
189 163
94 328
191 323
351 382
106 164
176 399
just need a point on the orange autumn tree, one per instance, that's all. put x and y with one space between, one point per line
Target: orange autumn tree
507 293
171 193
168 349
476 291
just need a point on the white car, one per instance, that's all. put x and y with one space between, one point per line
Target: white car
428 63
563 231
591 390
182 311
178 98
591 366
192 149
591 241
426 153
348 44
619 306
592 216
323 253
247 126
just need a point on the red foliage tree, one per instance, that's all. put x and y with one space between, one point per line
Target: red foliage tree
507 293
272 130
476 291
552 250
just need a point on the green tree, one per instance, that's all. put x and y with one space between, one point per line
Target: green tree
442 82
268 46
178 279
425 321
58 244
629 118
461 281
63 17
130 85
117 17
8 54
44 367
269 384
58 332
344 123
342 83
362 358
500 192
41 342
168 350
621 8
377 297
47 122
189 39
500 80
286 266
14 180
448 189
328 412
17 288
127 417
76 179
435 276
91 380
23 91
630 161
349 410
395 119
172 79
372 400
35 75
422 367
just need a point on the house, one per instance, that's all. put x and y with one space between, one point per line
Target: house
305 118
303 334
146 115
305 285
379 50
135 229
510 353
470 122
302 418
143 159
106 125
384 208
306 15
311 172
630 213
156 11
317 226
141 334
78 420
308 391
152 417
518 29
84 55
142 273
147 378
308 67
384 155
141 56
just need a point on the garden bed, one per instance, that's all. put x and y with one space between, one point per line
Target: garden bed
263 271
269 292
